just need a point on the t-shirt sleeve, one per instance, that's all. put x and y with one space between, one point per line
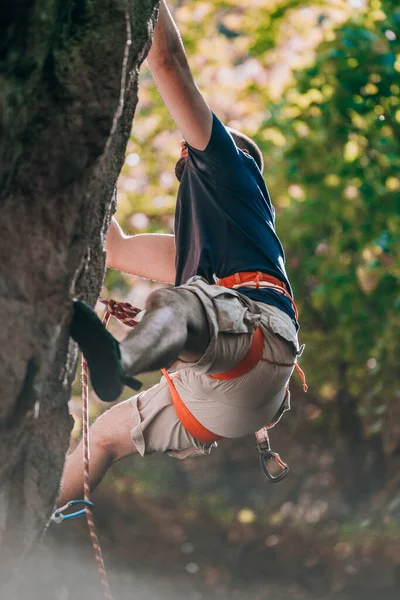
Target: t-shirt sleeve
221 148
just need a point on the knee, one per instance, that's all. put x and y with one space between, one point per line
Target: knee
163 298
181 308
113 440
169 308
101 438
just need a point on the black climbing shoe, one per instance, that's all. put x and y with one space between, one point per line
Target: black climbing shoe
102 353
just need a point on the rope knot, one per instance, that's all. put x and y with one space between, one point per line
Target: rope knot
123 311
109 304
112 306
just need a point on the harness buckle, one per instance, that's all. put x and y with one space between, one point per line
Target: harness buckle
59 517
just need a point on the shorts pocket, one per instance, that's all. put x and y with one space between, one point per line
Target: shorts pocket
234 313
284 330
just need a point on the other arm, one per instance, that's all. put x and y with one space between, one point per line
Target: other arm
150 255
174 80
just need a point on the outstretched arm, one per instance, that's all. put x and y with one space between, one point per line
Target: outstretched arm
174 80
150 255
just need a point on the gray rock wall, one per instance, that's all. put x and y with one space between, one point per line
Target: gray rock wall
68 92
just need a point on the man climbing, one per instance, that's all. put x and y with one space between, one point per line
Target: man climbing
231 353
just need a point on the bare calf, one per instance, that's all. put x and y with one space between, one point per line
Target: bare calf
110 441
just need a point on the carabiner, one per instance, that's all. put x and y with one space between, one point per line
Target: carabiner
59 517
265 456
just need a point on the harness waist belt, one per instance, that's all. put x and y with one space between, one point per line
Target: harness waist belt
249 277
257 279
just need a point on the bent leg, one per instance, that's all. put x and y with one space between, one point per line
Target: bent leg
110 440
143 424
174 326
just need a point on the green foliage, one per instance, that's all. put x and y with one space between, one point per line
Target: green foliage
273 19
338 179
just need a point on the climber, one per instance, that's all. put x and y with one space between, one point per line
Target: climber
202 329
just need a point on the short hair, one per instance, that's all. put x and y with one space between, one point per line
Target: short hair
243 142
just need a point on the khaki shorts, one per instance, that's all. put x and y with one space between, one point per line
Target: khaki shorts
231 408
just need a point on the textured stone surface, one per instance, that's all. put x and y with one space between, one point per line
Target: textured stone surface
63 132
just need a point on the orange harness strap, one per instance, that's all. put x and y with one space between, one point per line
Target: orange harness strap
257 279
189 421
248 362
247 277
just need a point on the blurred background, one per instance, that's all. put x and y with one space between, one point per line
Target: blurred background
316 84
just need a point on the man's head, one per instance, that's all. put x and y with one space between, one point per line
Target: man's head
246 144
241 140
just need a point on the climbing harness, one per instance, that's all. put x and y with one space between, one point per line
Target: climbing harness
258 279
126 313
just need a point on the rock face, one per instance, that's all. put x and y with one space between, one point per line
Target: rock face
68 95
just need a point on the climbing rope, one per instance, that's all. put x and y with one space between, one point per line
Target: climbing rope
86 482
125 313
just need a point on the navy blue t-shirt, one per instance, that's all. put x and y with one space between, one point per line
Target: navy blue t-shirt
225 222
